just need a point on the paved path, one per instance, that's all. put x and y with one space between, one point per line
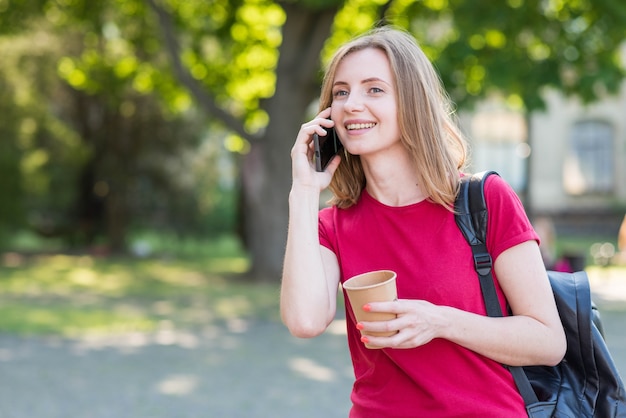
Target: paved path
239 369
609 292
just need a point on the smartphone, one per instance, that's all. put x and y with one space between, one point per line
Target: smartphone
326 147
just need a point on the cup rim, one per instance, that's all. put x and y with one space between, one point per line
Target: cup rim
393 277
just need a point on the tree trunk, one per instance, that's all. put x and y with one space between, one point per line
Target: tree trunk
266 169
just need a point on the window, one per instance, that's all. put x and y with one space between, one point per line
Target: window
588 165
500 143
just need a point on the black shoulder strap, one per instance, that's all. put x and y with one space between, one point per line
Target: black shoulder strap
471 217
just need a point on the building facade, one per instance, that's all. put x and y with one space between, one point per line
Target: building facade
568 163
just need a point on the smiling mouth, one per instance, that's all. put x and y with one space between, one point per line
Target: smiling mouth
355 126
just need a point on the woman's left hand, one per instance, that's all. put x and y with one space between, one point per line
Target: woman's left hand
417 323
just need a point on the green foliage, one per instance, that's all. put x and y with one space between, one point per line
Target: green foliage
521 47
236 59
355 17
111 56
11 208
41 155
516 48
316 5
103 97
231 47
120 123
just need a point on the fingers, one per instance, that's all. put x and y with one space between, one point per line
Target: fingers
403 338
303 145
334 163
315 126
411 328
386 327
302 153
396 306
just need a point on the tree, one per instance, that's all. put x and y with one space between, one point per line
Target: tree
39 154
518 48
97 135
254 66
266 166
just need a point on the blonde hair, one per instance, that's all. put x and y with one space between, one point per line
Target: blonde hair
427 128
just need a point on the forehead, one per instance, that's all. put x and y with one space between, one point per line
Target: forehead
364 64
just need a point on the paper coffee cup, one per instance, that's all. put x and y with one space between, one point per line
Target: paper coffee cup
373 286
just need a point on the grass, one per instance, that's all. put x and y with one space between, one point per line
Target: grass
177 284
75 295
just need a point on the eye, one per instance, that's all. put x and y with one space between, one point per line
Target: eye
376 90
339 93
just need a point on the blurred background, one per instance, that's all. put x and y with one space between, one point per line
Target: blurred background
145 169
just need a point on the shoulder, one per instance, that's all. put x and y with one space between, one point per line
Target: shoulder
496 184
496 191
508 223
500 194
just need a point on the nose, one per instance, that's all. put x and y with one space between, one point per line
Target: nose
354 103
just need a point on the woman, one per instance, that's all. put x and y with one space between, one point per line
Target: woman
394 188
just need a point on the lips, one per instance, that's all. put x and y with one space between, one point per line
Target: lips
355 126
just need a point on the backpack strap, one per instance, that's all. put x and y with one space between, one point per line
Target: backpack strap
471 216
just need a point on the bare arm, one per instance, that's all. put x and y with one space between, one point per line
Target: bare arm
311 272
532 335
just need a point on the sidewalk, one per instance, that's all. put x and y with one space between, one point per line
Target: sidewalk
242 370
239 369
609 292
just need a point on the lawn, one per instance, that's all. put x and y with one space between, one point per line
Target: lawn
75 295
181 286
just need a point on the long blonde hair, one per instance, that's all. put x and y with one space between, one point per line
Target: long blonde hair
427 128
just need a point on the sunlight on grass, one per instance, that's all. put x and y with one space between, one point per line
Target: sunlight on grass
233 306
176 274
68 321
82 295
74 295
83 277
230 264
62 275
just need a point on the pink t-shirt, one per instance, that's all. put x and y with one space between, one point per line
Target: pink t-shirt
423 244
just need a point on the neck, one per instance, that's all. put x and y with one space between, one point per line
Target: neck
393 182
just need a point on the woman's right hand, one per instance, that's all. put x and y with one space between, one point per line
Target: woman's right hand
302 154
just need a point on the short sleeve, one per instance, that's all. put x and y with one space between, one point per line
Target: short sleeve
327 231
508 225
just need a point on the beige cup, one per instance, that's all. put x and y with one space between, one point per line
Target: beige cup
374 286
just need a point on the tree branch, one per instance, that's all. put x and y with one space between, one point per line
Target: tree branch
205 100
300 52
382 14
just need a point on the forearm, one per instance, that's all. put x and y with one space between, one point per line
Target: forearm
514 340
305 302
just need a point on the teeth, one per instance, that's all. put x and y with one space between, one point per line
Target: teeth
360 126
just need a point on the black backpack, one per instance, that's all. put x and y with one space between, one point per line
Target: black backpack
586 383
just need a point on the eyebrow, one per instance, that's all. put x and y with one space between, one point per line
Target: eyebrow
367 80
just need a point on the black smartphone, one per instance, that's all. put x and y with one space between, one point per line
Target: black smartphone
326 147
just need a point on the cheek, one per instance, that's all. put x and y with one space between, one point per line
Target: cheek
391 117
335 111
